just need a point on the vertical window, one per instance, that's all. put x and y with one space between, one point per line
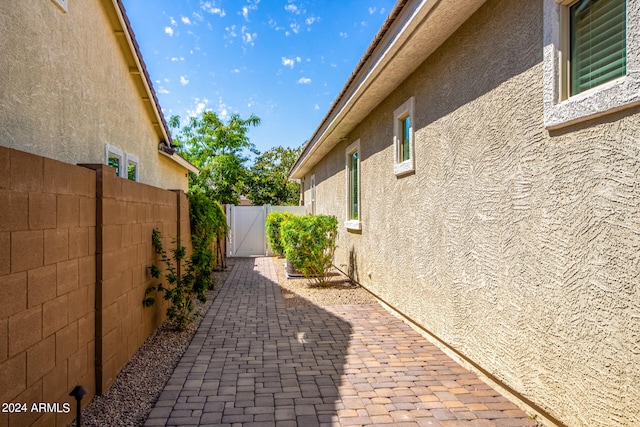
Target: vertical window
403 139
313 194
132 167
353 220
115 158
353 185
406 138
597 45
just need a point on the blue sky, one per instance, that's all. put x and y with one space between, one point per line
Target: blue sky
282 60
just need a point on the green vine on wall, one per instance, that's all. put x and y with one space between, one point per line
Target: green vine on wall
180 289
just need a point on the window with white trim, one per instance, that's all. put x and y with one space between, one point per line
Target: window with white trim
114 158
591 58
62 4
352 169
132 167
403 139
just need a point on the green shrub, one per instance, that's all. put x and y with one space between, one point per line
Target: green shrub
274 225
309 244
208 222
180 289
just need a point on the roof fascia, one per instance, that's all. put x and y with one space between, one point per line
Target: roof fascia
412 32
138 70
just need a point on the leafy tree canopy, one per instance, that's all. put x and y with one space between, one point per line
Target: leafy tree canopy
269 181
218 149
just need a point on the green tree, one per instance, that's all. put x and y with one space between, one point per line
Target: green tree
269 181
219 150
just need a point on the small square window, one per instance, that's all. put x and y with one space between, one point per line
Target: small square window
114 162
132 167
403 139
352 169
114 158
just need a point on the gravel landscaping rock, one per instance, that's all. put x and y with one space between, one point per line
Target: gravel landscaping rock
298 292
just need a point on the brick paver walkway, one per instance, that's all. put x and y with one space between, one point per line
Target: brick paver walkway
254 362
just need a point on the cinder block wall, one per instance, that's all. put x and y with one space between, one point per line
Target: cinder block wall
75 247
47 284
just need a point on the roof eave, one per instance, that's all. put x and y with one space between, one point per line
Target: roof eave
138 70
411 33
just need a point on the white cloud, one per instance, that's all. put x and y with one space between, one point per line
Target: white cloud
372 10
176 59
290 62
185 20
294 8
304 81
223 110
253 5
235 71
316 107
199 108
173 21
162 90
231 32
295 27
248 37
311 20
183 81
343 34
168 30
211 7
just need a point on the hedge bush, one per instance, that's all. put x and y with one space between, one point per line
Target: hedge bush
208 222
273 226
309 244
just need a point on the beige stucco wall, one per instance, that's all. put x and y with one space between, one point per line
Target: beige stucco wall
66 90
518 247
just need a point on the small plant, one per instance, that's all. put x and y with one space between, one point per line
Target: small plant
180 290
309 244
273 226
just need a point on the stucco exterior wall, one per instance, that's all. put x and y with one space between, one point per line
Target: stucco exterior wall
66 90
516 246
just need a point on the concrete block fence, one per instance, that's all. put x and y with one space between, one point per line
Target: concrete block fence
75 247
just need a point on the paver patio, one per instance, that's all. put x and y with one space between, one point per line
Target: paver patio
254 362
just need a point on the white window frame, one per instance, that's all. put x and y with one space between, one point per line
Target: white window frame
561 110
400 167
62 4
313 194
353 224
111 151
131 159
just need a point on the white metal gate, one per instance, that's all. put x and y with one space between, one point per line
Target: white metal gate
247 232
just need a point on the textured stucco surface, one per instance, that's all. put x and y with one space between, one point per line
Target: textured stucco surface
517 246
66 90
